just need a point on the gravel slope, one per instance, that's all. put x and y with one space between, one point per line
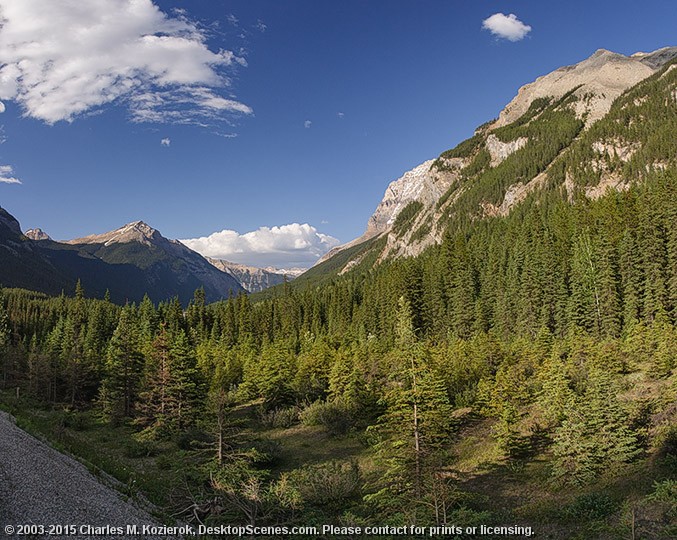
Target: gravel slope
41 486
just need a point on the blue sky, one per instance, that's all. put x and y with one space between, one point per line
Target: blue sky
268 148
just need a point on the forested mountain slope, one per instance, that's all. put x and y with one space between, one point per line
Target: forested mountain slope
565 130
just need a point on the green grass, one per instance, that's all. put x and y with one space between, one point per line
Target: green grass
311 445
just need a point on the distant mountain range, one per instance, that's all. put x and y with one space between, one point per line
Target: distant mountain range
128 262
256 279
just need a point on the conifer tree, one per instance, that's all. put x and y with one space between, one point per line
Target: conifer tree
4 340
185 388
124 364
595 434
154 398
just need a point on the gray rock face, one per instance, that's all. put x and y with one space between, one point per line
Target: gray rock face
37 234
597 81
423 183
500 150
256 279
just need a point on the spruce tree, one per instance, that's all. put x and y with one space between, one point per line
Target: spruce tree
595 435
124 364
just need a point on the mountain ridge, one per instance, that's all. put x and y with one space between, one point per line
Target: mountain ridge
255 279
586 89
129 262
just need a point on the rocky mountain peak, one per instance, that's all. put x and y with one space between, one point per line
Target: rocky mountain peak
587 89
37 234
136 231
597 81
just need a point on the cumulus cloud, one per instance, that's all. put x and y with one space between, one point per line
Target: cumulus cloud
261 26
166 141
340 115
60 59
307 124
284 246
506 26
6 175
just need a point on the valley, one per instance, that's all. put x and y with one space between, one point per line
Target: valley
497 348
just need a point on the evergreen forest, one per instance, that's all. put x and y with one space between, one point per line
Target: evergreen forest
522 372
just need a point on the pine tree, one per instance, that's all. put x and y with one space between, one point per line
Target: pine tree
595 435
413 431
154 398
124 364
185 389
556 397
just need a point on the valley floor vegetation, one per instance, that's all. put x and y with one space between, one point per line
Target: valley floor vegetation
522 372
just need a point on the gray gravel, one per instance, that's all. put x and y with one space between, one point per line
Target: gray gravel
41 486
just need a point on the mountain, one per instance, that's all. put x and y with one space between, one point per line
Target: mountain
539 141
168 267
256 279
22 263
36 234
128 262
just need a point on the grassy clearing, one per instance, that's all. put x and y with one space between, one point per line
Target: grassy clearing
310 445
642 492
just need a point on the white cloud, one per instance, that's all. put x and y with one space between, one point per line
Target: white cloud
307 124
261 26
232 19
340 115
506 26
6 177
166 141
286 245
60 59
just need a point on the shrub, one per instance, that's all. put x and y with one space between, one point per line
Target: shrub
139 449
336 417
191 439
164 462
591 507
76 420
326 484
281 417
265 452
